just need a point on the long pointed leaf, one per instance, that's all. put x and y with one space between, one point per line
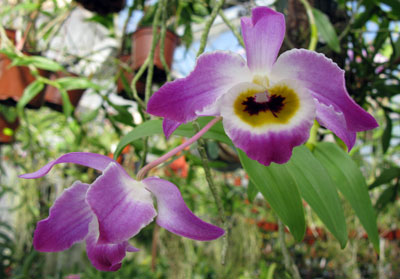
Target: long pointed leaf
280 190
318 190
154 127
351 183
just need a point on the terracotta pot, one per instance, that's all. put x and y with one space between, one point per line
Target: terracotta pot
141 46
53 97
4 125
14 80
103 7
140 85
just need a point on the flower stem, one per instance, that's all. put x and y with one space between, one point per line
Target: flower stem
232 27
201 143
142 173
287 259
207 27
313 26
214 192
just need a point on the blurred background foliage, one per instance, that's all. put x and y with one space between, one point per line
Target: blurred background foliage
362 37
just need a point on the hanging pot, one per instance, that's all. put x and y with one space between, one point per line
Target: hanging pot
128 76
7 129
53 97
141 46
103 7
14 80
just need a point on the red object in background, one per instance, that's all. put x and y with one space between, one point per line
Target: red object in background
141 46
120 157
4 125
140 85
179 166
14 80
103 7
53 97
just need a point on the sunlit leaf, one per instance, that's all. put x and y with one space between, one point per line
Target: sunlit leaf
386 176
326 30
351 183
279 188
318 190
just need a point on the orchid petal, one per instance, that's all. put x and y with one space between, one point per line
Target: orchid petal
328 117
213 75
326 82
169 126
91 160
122 205
263 35
67 223
269 142
106 257
175 216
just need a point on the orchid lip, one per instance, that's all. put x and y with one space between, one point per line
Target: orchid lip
277 105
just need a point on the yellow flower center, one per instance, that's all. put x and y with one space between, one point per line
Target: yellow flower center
277 105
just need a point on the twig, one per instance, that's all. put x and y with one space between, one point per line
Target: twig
162 44
287 259
313 26
201 143
233 28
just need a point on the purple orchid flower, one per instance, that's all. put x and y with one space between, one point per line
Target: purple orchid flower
268 105
111 210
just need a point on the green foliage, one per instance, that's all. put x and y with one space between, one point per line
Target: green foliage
280 189
351 183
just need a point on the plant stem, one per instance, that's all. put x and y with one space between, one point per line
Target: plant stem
233 28
201 143
142 173
313 139
207 27
313 26
162 43
214 192
287 259
150 69
124 28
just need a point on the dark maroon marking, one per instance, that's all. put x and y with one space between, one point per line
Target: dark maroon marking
275 105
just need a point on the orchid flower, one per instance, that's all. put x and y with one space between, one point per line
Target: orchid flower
111 210
268 104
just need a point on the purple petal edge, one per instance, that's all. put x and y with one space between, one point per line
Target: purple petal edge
91 160
106 257
213 75
263 36
67 223
175 216
169 126
326 81
122 205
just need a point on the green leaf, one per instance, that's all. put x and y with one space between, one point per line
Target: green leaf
146 129
68 108
30 92
89 116
318 190
252 191
43 63
387 133
386 176
382 34
326 30
351 183
387 196
154 127
279 188
216 132
73 83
